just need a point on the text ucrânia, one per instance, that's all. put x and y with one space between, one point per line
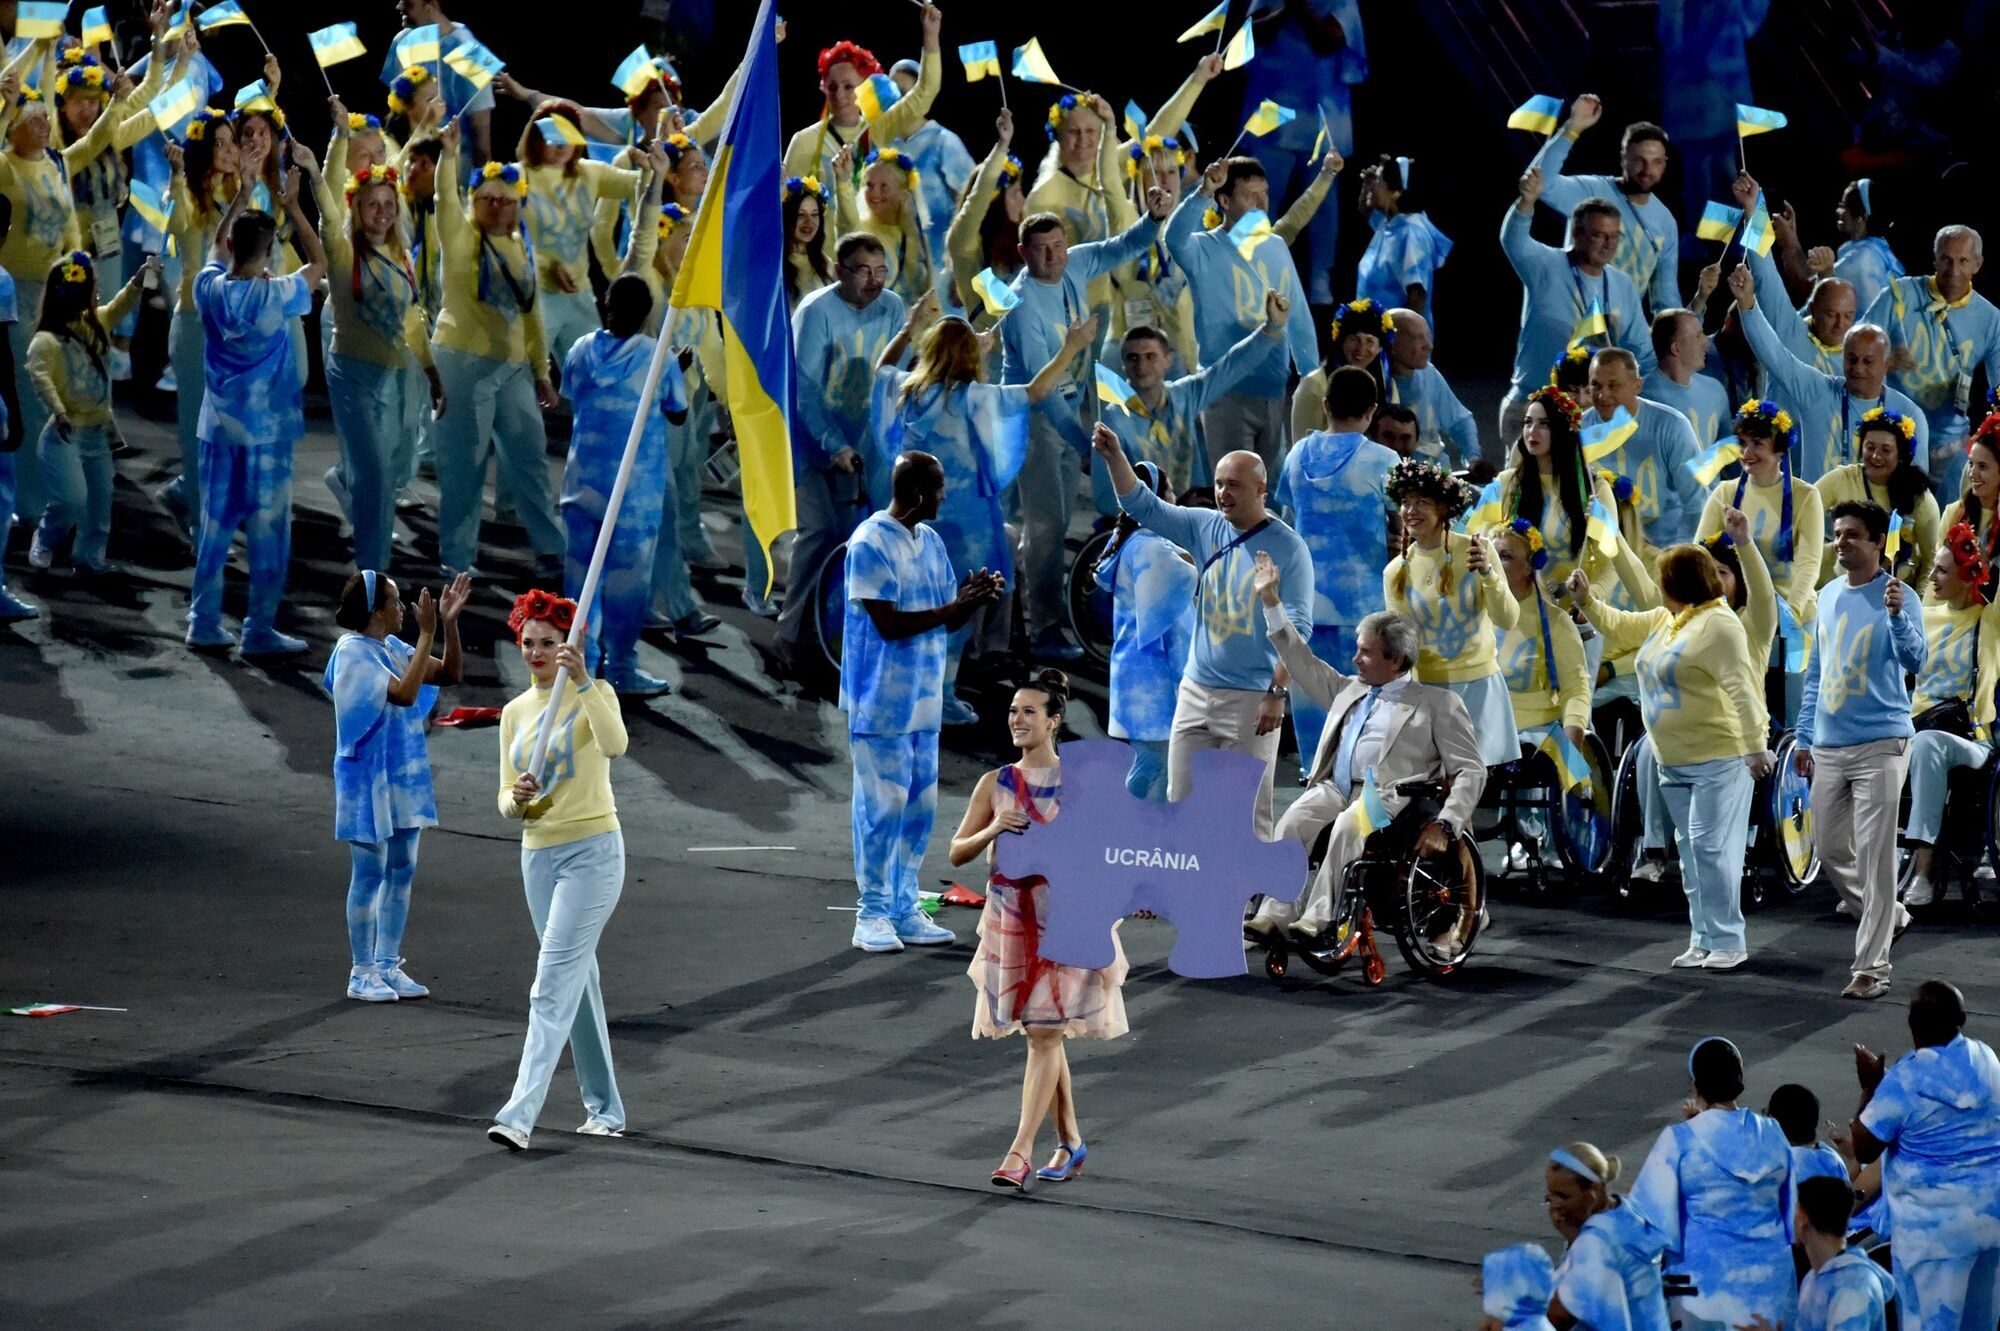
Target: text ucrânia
1141 857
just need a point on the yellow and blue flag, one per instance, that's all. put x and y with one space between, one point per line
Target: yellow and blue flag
475 63
223 15
1485 511
735 265
980 59
418 46
36 19
1267 117
96 26
877 93
1602 527
1590 325
634 72
1711 463
1718 222
1250 231
1212 21
1758 233
1603 439
994 292
1756 120
1031 66
1537 115
173 108
1135 122
1242 49
556 130
1112 389
153 206
178 24
332 45
1571 766
255 96
1895 541
1370 814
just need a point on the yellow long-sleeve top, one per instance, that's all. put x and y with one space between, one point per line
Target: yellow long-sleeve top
1957 635
907 256
1797 578
1699 689
372 300
576 797
1458 625
193 230
1633 589
484 318
804 276
1093 209
97 181
1542 697
1920 535
812 149
559 210
961 238
1156 293
1954 513
63 373
1554 524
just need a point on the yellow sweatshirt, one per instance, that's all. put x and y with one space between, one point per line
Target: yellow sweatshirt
906 255
1797 578
385 291
1095 208
559 210
961 239
1950 671
1554 523
64 375
576 776
193 231
1458 627
812 149
1699 690
1524 660
471 320
1922 530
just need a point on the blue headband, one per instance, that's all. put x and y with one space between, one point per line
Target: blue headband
1861 187
1562 1157
1719 1039
368 586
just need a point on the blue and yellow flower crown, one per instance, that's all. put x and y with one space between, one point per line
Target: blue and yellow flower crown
1895 420
1058 113
898 158
371 175
243 113
1576 354
75 54
671 216
1531 536
507 173
197 128
676 146
1010 174
1363 316
1141 149
358 123
83 80
1763 411
798 186
28 97
405 87
75 270
1621 486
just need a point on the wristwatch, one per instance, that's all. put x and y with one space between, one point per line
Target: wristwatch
1278 691
1450 828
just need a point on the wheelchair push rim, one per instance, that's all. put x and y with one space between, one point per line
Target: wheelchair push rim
1089 609
1788 808
1436 891
1584 818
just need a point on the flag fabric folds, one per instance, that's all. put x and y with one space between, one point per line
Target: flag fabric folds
1485 511
1571 766
417 46
735 265
634 72
1718 222
475 64
224 15
1758 233
1603 439
1212 21
1267 117
36 19
1601 527
1756 120
1370 814
1711 463
557 130
1249 232
96 26
340 42
153 206
1591 324
1112 389
1242 49
173 108
980 59
1135 121
994 293
877 93
1537 115
255 96
1031 66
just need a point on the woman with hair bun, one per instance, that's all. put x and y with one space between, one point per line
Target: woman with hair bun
1609 1279
383 689
1018 989
572 866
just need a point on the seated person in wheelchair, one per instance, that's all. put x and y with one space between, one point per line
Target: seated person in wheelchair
1953 704
1383 729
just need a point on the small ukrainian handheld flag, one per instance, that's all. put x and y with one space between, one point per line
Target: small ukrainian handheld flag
635 72
1603 439
1321 139
1712 463
994 292
1031 66
1571 766
1591 324
255 97
1135 122
173 108
980 59
1250 231
1718 222
1112 390
224 15
1242 49
418 46
1370 814
1758 234
1485 511
1756 120
180 21
475 63
1267 117
332 45
877 93
1212 21
558 130
1792 636
97 26
1537 115
1602 527
1895 541
36 19
152 204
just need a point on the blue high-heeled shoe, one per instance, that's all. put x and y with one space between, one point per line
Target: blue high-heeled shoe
1071 1167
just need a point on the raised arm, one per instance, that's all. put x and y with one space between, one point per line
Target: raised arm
1293 224
961 238
1563 193
1317 679
314 267
910 110
1101 256
1169 119
1523 251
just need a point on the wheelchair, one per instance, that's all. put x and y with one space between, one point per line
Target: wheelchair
1087 606
1578 821
829 605
1969 836
1420 899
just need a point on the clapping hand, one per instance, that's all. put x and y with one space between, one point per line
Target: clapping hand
455 596
1869 1067
427 615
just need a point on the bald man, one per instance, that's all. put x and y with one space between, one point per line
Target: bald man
1443 423
1233 692
1815 331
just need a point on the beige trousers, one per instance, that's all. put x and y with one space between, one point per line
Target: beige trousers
1855 789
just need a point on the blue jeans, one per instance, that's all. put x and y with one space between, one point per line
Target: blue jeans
377 429
490 408
687 458
1934 756
895 802
77 475
572 890
1710 805
187 348
378 897
250 488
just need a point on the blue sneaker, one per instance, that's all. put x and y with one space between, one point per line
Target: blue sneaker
636 683
13 608
209 638
876 936
392 975
918 930
270 642
366 985
958 712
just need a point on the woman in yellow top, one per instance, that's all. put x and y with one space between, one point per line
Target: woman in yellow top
1698 693
807 267
67 367
889 210
1545 483
203 183
564 186
380 343
1541 656
1784 511
1962 627
572 866
1080 182
1887 475
986 227
493 362
1451 585
1979 501
845 123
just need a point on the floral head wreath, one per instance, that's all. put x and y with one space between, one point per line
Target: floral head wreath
382 174
1426 480
1058 113
1556 400
797 186
75 269
1531 536
1010 174
1141 149
358 123
404 90
75 54
1621 486
1969 561
676 146
277 117
895 157
28 97
1576 356
847 53
671 216
507 173
1363 315
197 128
559 611
1883 418
83 80
1764 412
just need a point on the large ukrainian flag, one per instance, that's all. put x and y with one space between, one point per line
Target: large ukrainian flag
735 265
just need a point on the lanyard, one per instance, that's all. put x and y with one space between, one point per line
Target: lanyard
1206 564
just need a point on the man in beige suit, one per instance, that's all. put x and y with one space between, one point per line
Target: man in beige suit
1379 720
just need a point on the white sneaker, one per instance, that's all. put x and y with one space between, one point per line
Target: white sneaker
405 987
365 983
597 1127
1920 892
40 553
1690 959
1724 961
918 930
1517 858
875 935
1652 869
167 383
507 1137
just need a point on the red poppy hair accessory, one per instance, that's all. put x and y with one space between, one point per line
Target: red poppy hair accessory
538 604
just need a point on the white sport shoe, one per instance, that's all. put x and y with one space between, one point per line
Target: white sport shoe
918 930
40 553
1724 961
1692 958
1920 892
1652 869
507 1137
876 935
365 983
597 1127
405 987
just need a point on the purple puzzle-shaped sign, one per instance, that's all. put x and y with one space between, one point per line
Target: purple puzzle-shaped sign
1196 862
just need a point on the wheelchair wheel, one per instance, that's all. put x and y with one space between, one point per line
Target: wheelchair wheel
1436 893
1628 826
1584 818
1089 609
830 605
1789 807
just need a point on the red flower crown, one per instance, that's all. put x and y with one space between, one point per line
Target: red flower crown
538 604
